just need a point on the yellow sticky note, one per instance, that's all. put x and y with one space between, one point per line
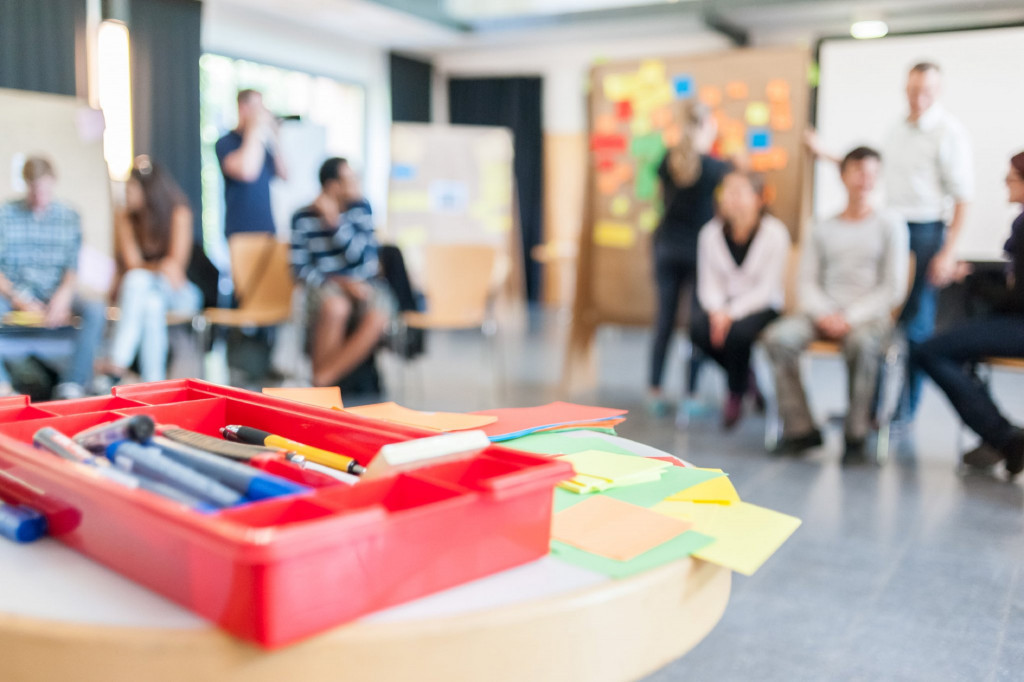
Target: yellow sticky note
651 71
758 114
614 235
619 86
745 534
327 396
600 470
716 491
620 206
409 202
411 237
614 529
648 220
435 421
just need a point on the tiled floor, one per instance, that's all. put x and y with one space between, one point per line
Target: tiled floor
906 572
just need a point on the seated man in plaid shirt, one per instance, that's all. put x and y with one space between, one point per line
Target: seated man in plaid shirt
334 253
39 243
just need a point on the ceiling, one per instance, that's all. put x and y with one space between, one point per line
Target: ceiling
430 26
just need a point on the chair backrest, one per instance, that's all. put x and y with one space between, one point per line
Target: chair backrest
458 281
261 272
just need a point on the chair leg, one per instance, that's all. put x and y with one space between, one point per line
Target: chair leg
494 349
891 381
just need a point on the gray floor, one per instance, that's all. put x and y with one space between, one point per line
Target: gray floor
906 572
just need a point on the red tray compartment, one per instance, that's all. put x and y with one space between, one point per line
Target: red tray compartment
276 571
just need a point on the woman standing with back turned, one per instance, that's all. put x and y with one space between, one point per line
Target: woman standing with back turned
689 176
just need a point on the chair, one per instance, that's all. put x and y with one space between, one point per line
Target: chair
891 374
261 271
458 283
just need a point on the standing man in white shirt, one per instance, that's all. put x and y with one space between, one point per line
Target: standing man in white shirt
928 176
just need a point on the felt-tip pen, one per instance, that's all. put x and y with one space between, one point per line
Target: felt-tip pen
150 462
138 428
247 434
20 523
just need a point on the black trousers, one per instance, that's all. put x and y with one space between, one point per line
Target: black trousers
734 355
949 359
672 274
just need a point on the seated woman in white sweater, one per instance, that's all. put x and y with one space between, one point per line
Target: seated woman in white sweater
741 258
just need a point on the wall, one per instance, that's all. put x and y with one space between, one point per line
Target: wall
235 32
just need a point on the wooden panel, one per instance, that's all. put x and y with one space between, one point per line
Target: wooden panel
565 162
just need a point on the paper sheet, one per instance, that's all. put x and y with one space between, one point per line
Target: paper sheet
648 220
614 235
745 534
710 95
409 201
620 206
757 114
554 443
327 396
737 90
435 421
514 422
600 470
715 491
614 529
679 547
672 481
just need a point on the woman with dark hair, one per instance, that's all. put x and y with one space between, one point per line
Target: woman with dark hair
689 176
153 240
741 258
948 358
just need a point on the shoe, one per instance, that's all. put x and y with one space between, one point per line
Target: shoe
982 457
760 404
68 390
732 412
658 407
855 451
103 383
1014 453
795 445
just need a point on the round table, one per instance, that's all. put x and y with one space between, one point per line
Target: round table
63 616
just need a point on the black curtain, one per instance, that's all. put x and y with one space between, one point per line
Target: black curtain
514 103
42 45
410 89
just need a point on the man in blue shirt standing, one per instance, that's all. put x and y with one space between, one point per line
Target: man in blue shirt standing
40 238
250 157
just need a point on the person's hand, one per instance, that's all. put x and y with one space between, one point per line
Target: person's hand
943 268
833 326
356 289
813 143
720 325
962 270
58 310
174 274
27 303
328 208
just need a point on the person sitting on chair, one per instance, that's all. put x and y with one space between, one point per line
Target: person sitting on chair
853 273
40 238
741 257
153 238
948 358
334 253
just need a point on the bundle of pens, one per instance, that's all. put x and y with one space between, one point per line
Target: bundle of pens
199 471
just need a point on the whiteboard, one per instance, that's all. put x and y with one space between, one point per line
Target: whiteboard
861 95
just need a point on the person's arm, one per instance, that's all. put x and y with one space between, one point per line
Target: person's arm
710 290
811 296
361 249
771 271
124 241
813 143
280 169
892 287
179 250
58 308
246 163
956 173
303 265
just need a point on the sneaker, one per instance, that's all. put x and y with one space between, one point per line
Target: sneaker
68 390
982 457
1014 453
796 445
103 383
732 412
855 451
658 407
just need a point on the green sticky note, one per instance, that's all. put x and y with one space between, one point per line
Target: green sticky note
682 546
646 183
649 148
672 481
560 444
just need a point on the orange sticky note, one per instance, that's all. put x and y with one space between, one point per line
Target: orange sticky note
737 90
782 119
710 95
614 529
326 396
434 421
604 124
777 90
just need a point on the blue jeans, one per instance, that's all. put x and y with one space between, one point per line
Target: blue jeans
93 315
145 298
918 317
948 359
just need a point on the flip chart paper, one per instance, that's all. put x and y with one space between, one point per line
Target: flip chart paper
614 529
745 534
436 421
328 396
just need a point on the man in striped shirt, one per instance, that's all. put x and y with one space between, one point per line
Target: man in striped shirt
334 253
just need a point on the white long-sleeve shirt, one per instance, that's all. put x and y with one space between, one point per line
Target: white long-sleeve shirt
925 163
857 268
740 290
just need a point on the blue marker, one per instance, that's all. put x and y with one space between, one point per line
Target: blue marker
20 523
251 482
148 461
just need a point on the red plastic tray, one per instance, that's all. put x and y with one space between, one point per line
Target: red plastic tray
278 570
